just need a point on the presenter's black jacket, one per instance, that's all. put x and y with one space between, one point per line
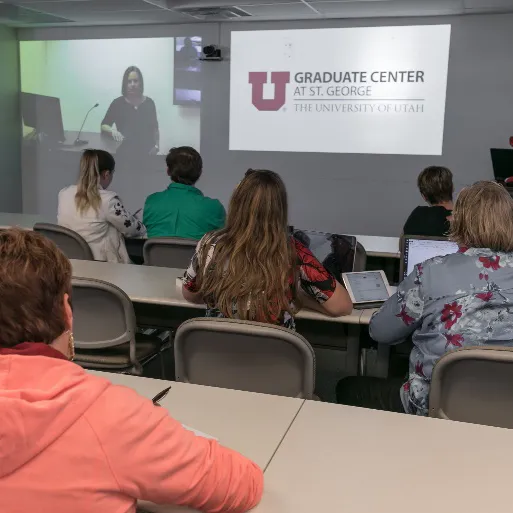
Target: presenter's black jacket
428 222
138 125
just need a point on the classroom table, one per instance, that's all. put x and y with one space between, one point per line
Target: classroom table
157 286
26 221
158 302
325 457
341 459
252 424
375 246
95 140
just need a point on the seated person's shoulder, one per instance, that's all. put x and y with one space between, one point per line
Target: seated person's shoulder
66 191
212 203
414 219
444 268
154 196
427 222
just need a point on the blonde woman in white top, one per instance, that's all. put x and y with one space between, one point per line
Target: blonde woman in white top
97 214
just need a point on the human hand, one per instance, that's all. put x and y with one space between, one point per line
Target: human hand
117 136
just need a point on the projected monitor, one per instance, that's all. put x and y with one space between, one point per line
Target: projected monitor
143 88
44 114
374 90
416 250
188 86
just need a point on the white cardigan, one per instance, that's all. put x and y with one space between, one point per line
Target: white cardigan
104 231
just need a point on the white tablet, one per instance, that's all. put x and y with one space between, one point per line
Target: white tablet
367 287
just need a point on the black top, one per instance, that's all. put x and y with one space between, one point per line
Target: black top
138 125
428 222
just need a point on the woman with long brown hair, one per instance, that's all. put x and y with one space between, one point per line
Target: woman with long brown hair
253 269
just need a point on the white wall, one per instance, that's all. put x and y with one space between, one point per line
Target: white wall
10 126
348 193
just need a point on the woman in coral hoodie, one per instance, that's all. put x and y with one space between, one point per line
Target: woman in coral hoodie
71 441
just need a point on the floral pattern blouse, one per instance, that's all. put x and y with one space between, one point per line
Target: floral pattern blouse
464 299
314 279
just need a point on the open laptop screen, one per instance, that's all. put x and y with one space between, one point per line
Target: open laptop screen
502 160
335 252
416 250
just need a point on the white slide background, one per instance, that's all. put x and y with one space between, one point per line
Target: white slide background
394 118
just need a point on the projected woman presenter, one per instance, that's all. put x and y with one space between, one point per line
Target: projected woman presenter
134 116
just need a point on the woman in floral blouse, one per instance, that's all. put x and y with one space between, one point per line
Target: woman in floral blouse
463 299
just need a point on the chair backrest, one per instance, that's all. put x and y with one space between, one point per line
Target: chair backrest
103 315
474 384
169 252
360 259
68 241
242 355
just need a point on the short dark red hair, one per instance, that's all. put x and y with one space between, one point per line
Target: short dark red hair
34 276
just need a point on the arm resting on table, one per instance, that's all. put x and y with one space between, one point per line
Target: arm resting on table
153 458
192 297
337 305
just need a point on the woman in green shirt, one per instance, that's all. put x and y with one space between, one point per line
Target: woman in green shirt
182 210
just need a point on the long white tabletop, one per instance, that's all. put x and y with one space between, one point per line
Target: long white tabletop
387 247
342 459
252 424
26 221
157 285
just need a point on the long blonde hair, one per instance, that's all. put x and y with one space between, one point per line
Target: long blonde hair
92 163
253 264
483 218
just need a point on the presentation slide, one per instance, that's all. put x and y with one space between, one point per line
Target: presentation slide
135 98
378 90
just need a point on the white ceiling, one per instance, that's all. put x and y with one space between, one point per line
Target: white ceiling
30 13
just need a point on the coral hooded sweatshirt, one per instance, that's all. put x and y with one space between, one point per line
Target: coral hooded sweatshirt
73 442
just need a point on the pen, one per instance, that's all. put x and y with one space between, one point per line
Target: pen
156 400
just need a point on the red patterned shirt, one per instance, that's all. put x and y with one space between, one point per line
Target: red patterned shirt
314 279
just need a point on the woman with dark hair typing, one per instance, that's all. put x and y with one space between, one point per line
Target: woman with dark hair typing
134 115
74 442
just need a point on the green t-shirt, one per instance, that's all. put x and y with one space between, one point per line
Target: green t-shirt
182 211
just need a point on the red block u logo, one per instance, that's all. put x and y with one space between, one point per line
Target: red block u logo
280 79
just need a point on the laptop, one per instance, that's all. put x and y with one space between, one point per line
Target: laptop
336 253
415 250
502 160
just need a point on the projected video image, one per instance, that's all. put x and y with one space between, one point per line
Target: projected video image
187 70
128 83
135 98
